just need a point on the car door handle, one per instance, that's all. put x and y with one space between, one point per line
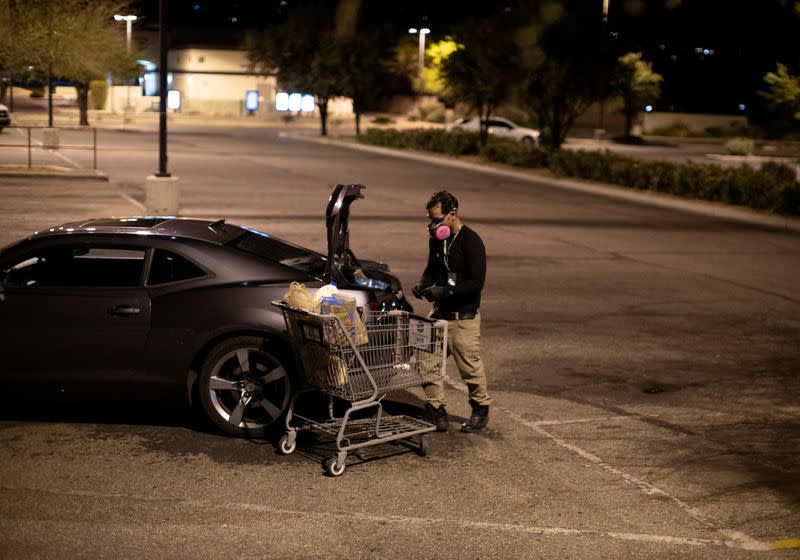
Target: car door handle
123 311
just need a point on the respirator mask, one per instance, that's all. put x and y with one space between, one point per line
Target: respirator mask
438 229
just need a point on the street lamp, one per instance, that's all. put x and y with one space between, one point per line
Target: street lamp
129 19
422 32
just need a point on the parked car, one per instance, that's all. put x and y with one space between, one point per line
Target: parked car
5 118
498 126
161 308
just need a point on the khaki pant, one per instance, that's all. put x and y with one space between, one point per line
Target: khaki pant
464 344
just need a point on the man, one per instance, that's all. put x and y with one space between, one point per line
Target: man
453 280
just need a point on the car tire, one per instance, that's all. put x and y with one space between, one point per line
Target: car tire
245 386
527 140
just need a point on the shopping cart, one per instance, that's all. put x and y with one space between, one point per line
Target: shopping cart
392 351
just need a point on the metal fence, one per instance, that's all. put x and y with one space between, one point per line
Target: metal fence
31 144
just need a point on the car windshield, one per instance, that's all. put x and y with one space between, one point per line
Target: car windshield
279 251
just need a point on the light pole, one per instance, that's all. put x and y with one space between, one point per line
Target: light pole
422 32
128 19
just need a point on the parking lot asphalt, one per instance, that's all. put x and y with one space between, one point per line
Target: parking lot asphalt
642 361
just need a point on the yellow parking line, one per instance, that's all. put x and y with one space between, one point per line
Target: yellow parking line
786 543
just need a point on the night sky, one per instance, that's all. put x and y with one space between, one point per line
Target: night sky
713 54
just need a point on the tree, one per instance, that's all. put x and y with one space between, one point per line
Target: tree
564 66
303 53
477 72
73 39
432 79
637 84
364 68
783 96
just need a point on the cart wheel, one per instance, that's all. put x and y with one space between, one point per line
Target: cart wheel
334 468
422 450
285 446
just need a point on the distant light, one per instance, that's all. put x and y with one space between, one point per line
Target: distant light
662 46
174 99
706 52
698 50
424 30
251 100
648 108
282 101
307 104
125 18
412 29
234 19
742 107
197 7
295 102
674 57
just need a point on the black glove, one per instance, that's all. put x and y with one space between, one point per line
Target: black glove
434 293
418 291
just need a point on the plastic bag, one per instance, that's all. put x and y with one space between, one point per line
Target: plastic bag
298 296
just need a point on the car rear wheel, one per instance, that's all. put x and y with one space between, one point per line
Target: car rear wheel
527 140
245 386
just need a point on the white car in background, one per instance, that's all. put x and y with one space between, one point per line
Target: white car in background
498 126
5 119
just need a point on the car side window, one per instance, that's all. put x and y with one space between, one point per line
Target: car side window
499 124
169 267
82 266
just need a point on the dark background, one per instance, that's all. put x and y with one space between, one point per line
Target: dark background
713 54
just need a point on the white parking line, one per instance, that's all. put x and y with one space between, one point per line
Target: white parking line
736 538
400 520
133 201
54 152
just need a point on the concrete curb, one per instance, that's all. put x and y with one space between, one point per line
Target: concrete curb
94 176
663 200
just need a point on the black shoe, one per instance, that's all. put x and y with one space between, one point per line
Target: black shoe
437 417
478 420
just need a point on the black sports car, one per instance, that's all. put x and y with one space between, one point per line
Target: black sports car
161 307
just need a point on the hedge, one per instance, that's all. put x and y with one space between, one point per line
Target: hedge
774 187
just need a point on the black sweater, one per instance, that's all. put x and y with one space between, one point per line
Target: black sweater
466 257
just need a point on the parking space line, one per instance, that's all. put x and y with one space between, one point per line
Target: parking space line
741 540
132 200
54 152
400 520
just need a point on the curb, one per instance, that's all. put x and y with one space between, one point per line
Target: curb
663 200
96 176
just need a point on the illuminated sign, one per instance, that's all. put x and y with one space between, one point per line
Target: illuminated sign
282 101
251 100
294 102
174 99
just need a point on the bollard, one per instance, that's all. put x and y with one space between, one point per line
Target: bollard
50 138
162 195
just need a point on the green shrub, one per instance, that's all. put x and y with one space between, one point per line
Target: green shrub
98 90
678 128
37 92
514 153
382 119
740 146
773 187
433 140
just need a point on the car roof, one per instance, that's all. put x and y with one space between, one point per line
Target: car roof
210 231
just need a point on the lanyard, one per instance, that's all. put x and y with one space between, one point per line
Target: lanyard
446 261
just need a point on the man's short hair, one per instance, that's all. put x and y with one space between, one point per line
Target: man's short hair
447 200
